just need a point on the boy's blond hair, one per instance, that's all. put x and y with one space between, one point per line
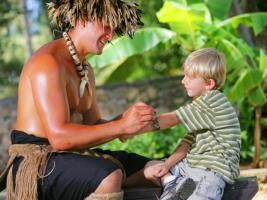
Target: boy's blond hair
208 64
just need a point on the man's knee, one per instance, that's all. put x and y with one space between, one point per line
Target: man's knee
112 183
106 196
148 170
115 177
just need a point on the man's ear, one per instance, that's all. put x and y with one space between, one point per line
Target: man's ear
210 84
80 23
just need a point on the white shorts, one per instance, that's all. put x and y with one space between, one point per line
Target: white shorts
210 184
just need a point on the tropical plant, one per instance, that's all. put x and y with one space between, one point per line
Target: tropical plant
122 48
199 24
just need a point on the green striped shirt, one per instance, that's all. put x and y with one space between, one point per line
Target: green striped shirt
213 134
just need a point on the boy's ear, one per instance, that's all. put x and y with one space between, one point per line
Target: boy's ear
210 84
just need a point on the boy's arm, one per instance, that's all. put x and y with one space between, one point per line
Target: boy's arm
167 120
179 153
164 121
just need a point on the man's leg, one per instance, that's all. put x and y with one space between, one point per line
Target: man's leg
133 165
148 172
137 179
109 188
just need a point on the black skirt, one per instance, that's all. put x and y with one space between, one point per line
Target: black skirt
73 176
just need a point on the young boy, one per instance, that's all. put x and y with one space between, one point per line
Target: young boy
208 155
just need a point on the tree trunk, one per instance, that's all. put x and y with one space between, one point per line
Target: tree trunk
26 28
244 31
257 136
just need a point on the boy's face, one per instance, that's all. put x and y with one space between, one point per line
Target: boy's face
195 86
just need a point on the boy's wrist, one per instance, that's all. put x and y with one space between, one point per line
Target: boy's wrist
155 124
167 165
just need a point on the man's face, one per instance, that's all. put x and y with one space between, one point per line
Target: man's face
94 36
103 35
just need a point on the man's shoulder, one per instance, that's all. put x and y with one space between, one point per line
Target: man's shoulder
42 61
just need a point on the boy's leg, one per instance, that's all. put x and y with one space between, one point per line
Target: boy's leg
210 186
178 186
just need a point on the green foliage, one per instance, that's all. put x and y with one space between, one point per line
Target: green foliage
145 39
155 51
125 47
155 145
199 24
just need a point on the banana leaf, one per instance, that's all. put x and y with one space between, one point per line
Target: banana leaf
124 47
257 21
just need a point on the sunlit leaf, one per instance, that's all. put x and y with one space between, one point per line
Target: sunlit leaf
181 17
263 62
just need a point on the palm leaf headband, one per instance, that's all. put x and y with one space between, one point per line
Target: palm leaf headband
122 16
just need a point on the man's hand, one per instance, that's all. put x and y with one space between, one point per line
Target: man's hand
125 137
136 117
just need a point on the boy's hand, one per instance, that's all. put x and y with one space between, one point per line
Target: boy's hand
161 169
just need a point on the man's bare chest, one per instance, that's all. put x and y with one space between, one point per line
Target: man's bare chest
76 103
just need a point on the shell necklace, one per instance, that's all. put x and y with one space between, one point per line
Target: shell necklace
82 68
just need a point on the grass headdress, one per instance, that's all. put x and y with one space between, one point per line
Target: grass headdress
122 16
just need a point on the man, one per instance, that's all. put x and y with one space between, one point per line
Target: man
58 113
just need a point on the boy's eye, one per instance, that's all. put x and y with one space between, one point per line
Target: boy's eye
188 77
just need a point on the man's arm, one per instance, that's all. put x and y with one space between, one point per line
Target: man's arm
161 122
49 91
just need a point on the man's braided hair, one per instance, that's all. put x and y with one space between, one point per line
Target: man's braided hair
122 16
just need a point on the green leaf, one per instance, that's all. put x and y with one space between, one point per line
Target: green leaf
123 47
185 20
219 8
258 21
250 79
263 62
181 17
257 97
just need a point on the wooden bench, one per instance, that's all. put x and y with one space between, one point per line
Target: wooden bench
244 188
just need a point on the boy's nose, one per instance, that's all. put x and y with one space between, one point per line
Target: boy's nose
183 80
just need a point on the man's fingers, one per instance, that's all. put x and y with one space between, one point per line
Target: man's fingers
146 118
